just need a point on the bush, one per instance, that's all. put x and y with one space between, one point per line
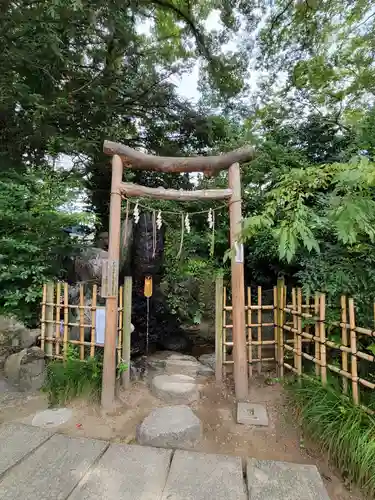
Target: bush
343 429
73 378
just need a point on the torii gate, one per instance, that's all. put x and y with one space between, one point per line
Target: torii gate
128 157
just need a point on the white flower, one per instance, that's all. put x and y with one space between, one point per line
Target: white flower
159 221
187 223
136 213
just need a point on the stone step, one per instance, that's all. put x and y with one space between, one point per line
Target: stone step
51 471
202 476
16 441
269 480
175 389
36 464
126 472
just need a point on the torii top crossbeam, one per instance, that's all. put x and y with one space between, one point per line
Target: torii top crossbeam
166 164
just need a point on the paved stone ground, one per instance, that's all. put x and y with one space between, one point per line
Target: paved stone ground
36 464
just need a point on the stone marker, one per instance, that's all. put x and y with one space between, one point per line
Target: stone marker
251 414
52 470
176 388
126 473
26 369
201 476
170 427
52 418
268 480
16 441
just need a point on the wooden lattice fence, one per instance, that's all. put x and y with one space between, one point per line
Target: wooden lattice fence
290 332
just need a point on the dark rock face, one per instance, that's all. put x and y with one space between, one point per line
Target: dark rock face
141 255
164 329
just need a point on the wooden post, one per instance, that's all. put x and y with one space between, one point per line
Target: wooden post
259 330
295 325
49 319
126 330
219 306
81 323
58 323
241 379
43 323
299 335
249 333
344 341
93 320
317 334
353 348
109 361
322 330
275 328
66 318
280 324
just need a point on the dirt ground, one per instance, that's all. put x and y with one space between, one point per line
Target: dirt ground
282 440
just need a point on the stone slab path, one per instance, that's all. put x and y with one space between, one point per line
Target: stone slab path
38 464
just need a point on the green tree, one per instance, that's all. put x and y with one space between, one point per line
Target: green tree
34 247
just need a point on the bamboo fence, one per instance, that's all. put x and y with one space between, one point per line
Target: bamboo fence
298 339
59 331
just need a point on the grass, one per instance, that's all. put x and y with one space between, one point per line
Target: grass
344 430
73 378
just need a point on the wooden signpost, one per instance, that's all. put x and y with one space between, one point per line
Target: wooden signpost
126 156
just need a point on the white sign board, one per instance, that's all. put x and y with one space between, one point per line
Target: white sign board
239 252
100 326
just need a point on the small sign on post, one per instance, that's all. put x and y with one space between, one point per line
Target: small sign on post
110 272
239 252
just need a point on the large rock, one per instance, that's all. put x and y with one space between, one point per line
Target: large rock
26 369
14 336
170 427
175 388
171 363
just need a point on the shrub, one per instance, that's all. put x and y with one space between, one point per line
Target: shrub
343 429
73 378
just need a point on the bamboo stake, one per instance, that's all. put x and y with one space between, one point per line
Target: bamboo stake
49 319
120 334
344 341
224 323
295 325
250 332
317 334
275 319
66 318
81 322
299 335
353 345
280 324
43 322
126 331
58 322
93 319
260 329
219 297
322 329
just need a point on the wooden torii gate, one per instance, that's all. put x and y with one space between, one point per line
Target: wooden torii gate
209 165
